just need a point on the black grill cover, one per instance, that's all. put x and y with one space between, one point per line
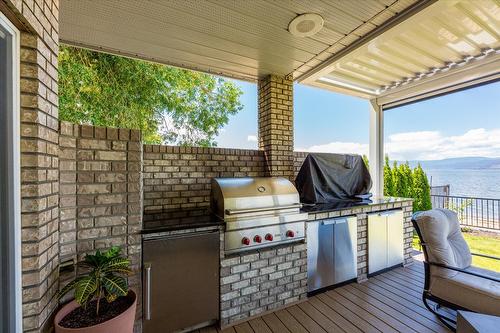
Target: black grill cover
325 178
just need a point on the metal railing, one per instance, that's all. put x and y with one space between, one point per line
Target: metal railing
440 190
472 212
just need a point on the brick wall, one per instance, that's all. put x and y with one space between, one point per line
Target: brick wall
408 230
38 22
276 125
39 182
176 177
100 190
260 281
179 177
100 193
298 160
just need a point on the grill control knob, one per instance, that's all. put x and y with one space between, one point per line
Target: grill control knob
257 239
245 241
268 237
290 233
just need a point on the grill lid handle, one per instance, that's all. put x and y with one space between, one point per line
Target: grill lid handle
263 209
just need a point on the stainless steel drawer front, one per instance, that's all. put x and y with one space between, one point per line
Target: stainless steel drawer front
345 241
181 281
320 255
395 238
331 252
385 240
377 243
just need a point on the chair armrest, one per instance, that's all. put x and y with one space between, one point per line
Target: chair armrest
465 272
485 256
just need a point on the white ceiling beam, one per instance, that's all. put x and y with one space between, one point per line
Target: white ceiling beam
330 86
476 72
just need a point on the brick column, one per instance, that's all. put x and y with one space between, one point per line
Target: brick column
39 182
276 125
38 22
100 195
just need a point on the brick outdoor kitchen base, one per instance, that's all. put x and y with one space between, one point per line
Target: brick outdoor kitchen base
258 281
264 280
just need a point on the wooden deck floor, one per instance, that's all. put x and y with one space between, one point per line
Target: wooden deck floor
390 302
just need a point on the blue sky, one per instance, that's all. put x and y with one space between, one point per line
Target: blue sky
465 123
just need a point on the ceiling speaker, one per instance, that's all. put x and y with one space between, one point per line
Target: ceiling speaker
306 25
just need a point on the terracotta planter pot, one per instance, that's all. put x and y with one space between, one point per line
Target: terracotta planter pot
123 323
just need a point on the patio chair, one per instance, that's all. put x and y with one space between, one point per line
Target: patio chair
450 280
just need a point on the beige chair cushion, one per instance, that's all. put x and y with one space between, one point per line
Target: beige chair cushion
440 230
471 292
482 271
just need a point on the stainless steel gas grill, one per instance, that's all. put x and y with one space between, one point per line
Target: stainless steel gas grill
258 212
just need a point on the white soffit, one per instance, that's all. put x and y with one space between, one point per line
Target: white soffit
244 39
447 44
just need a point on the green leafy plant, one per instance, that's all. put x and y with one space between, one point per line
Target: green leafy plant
169 105
104 280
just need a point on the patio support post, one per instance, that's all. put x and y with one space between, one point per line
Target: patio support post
276 125
38 22
376 158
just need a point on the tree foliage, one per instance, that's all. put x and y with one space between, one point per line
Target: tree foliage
388 179
169 105
422 190
402 181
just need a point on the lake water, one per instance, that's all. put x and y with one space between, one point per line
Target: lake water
468 182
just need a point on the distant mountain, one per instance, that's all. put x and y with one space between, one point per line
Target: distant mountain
460 163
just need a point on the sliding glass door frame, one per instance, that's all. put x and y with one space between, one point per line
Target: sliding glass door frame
10 214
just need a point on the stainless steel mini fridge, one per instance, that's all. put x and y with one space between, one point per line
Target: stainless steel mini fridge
331 252
180 281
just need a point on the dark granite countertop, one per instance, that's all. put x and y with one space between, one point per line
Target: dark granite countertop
178 219
340 205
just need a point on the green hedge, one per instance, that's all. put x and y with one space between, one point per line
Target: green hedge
403 181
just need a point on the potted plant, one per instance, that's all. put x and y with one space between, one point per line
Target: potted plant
103 302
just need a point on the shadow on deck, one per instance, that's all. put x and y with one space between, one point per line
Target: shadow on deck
389 302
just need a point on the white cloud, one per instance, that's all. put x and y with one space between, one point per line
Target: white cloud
339 148
252 138
434 146
426 145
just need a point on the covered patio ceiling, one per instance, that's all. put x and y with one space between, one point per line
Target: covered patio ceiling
240 39
389 51
444 45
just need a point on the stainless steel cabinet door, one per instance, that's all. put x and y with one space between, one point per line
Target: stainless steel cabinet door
377 242
345 235
181 287
320 272
395 236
